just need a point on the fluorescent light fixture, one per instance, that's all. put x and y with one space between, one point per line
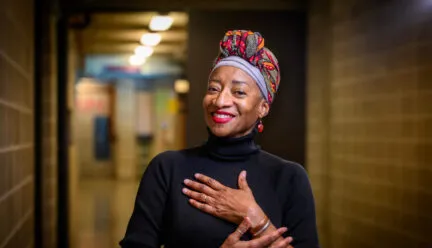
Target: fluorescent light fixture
151 39
137 60
144 51
181 86
161 23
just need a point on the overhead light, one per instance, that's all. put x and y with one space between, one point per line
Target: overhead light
137 60
144 51
151 39
181 86
161 22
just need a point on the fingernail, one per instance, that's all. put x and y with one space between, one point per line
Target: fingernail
243 174
185 190
197 175
186 181
283 229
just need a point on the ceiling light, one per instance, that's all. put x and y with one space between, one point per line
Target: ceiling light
137 60
151 39
144 51
181 86
161 23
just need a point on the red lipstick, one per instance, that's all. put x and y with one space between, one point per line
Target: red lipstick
222 117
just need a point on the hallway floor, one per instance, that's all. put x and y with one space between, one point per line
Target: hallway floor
103 209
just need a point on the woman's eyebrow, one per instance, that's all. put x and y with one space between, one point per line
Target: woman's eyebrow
239 82
215 80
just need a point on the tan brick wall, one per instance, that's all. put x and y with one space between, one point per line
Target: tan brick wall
317 142
370 122
49 133
16 124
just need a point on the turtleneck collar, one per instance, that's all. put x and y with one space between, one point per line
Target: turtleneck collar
234 149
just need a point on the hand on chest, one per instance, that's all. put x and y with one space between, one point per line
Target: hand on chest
191 217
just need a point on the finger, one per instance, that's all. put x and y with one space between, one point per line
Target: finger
209 181
198 196
200 187
284 243
241 229
203 207
268 239
242 182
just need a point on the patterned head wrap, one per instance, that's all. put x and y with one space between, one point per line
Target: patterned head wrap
245 50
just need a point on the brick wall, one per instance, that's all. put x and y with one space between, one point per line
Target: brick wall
17 117
370 121
48 140
16 124
317 117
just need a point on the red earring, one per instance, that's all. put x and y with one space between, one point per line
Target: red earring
260 126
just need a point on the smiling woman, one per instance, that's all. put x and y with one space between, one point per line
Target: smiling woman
233 102
227 192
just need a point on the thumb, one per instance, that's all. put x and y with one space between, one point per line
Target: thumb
242 181
241 229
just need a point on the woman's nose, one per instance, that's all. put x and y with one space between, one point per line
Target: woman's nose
223 100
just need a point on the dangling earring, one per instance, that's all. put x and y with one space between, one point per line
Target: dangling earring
260 126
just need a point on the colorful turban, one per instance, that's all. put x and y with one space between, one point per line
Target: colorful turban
245 50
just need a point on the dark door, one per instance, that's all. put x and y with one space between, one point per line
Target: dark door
284 33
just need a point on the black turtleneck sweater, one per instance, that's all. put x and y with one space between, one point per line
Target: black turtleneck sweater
163 216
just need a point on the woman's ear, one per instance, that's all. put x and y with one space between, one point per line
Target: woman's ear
263 109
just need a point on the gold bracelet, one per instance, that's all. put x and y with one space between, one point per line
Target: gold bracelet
260 225
263 229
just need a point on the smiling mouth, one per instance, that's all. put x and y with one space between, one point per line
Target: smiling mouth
221 118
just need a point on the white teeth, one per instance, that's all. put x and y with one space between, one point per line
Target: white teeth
221 116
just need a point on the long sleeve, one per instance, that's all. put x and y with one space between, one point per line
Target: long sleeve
299 215
145 227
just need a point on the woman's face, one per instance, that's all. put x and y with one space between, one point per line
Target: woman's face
233 102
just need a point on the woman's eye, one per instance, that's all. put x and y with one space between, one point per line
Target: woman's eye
212 89
240 93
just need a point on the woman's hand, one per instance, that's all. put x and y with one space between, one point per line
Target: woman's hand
218 200
233 241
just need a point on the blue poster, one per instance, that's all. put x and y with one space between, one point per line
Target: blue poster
101 138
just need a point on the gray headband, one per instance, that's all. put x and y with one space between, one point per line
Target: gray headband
251 70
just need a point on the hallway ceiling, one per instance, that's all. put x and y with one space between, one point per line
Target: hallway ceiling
120 33
183 5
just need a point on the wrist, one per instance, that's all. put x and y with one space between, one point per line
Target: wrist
260 227
256 216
